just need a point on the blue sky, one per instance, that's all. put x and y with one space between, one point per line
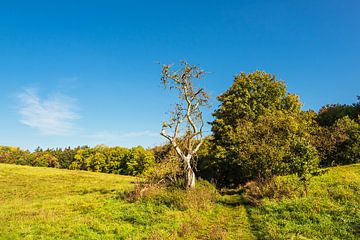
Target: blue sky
85 72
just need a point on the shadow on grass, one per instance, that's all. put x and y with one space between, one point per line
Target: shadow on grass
237 191
96 190
254 229
231 200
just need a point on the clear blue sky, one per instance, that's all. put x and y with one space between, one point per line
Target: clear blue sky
85 72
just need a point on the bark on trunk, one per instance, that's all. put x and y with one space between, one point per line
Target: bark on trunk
190 178
189 174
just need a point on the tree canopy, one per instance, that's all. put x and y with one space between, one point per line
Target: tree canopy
255 127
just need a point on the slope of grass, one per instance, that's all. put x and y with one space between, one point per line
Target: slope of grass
331 210
44 203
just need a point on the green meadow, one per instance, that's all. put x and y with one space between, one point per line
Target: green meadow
47 203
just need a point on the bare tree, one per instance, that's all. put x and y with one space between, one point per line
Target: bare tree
186 123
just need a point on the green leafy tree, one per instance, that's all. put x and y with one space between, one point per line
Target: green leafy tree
65 156
329 114
14 155
44 159
254 128
118 160
81 159
348 150
138 161
339 143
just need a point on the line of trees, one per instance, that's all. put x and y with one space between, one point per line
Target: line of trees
117 160
259 131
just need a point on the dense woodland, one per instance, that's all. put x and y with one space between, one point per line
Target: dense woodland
259 131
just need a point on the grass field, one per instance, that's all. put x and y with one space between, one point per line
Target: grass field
44 203
330 211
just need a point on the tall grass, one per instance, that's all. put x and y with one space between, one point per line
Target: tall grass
329 211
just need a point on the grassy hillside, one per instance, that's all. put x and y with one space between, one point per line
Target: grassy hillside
44 203
331 210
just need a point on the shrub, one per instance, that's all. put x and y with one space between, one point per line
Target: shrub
167 172
259 149
202 197
277 188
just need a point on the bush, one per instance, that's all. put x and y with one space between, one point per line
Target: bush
169 168
202 197
277 188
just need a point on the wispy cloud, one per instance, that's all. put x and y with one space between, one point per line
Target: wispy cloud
53 115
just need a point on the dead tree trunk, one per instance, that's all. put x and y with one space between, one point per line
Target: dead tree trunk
186 119
189 174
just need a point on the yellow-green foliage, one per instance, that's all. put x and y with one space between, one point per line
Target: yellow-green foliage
254 129
348 150
14 155
118 160
133 161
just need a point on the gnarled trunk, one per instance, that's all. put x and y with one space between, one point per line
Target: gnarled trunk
190 178
187 116
189 174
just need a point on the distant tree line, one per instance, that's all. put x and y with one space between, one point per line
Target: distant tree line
118 160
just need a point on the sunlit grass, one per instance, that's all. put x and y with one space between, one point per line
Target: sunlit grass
331 210
44 203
